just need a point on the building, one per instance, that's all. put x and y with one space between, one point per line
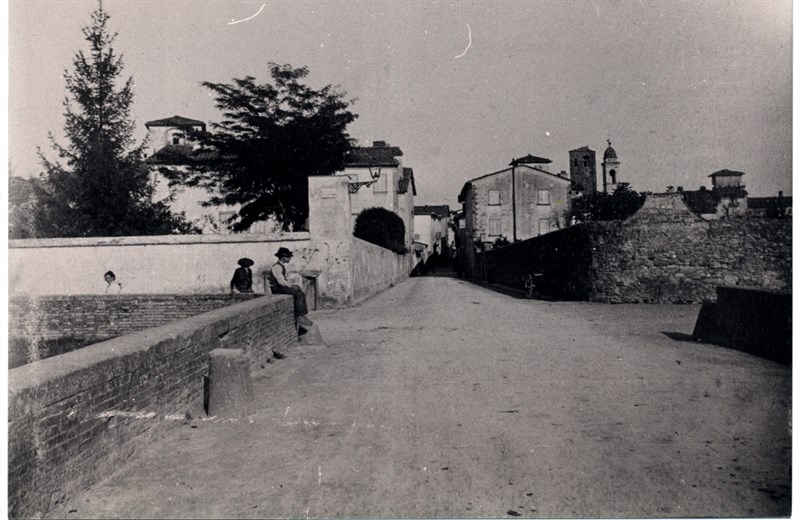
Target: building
726 198
519 202
610 170
168 146
378 179
431 231
583 171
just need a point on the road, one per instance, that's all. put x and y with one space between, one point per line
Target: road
438 398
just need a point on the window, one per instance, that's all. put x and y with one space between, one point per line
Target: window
416 236
575 162
494 197
380 184
494 227
586 161
544 198
544 226
613 174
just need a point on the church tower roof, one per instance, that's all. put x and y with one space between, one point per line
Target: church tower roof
610 153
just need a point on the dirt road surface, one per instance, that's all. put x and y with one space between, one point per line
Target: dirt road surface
438 398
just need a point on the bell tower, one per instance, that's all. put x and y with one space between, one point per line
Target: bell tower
610 170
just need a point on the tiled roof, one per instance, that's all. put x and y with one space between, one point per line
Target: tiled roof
531 159
582 149
534 168
373 156
726 173
441 211
175 121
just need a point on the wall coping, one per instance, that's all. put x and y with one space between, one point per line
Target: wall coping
23 298
158 240
53 379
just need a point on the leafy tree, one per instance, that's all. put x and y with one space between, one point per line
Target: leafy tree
105 187
620 205
381 227
274 136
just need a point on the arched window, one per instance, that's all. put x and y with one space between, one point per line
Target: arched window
613 174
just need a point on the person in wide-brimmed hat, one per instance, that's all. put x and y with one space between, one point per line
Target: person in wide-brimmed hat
279 285
242 280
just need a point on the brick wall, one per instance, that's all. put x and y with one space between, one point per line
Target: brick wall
42 326
662 254
75 418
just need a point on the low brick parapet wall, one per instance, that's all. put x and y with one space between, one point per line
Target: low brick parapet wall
75 418
98 316
752 320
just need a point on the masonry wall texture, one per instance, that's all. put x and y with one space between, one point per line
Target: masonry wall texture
107 316
75 418
375 269
663 254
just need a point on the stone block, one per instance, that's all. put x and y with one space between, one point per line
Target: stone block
230 388
313 336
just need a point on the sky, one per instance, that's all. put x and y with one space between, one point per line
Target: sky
681 88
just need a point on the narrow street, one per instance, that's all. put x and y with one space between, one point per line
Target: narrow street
438 398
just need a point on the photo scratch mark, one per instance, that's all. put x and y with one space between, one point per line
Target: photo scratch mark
287 411
234 22
469 44
320 475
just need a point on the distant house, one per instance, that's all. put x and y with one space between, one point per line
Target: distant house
519 202
727 197
378 179
771 207
168 146
431 230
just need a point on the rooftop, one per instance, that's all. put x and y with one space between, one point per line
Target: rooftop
379 154
176 120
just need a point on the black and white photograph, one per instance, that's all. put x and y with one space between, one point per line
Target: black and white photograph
399 259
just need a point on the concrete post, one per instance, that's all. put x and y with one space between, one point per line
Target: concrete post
230 389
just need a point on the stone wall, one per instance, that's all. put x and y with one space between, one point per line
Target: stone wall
75 418
664 253
375 269
41 326
173 264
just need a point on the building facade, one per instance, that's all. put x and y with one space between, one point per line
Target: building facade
431 231
583 170
378 180
610 170
516 203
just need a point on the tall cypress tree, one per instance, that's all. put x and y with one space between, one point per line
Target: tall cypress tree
104 188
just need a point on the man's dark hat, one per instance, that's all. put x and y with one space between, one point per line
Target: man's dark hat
245 262
283 252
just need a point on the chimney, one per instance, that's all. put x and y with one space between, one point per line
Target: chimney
379 144
563 173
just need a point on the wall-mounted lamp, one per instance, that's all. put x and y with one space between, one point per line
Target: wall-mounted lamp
353 187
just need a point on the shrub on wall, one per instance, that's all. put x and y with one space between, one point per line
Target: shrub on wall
381 227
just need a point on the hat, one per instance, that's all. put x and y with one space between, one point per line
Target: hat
245 262
283 252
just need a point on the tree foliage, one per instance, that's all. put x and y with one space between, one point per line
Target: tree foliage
272 138
381 227
105 187
620 205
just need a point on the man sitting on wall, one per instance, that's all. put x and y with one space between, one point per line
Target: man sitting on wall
279 285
